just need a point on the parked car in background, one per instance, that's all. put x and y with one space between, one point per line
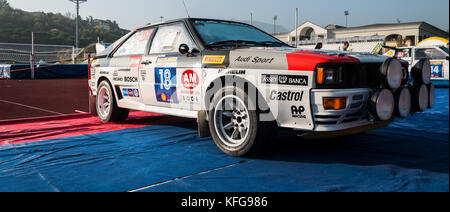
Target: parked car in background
438 56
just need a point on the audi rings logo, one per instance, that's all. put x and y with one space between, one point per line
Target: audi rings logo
282 79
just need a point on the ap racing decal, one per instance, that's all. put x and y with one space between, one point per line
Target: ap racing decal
284 79
166 85
298 112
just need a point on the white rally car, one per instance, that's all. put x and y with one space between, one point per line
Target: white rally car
241 84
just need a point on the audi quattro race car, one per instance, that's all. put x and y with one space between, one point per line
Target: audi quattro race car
241 84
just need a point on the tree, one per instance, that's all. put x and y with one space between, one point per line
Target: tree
4 3
70 15
16 26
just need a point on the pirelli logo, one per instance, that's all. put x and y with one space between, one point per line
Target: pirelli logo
213 59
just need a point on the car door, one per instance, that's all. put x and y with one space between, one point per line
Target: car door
437 59
170 79
125 64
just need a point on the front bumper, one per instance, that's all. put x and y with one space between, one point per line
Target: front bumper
353 116
350 131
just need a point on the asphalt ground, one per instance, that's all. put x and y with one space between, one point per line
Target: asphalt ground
37 98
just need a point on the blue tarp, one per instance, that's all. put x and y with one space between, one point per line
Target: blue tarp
409 155
62 71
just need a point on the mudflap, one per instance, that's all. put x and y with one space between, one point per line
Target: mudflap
93 105
203 128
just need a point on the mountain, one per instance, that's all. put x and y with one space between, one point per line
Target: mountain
16 26
264 26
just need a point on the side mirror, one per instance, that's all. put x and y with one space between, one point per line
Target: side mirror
195 51
183 49
446 58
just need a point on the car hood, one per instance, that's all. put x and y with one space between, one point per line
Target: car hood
295 59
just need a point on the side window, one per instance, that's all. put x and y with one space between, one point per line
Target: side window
168 38
429 53
136 44
404 53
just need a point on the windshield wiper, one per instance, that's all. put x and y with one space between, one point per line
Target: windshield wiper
269 43
236 43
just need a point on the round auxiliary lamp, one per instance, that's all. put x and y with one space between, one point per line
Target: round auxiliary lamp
392 73
382 105
421 72
402 98
431 96
420 98
423 92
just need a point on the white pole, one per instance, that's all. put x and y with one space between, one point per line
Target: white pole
73 55
296 27
32 56
76 23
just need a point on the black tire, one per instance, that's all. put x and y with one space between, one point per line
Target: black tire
258 132
114 114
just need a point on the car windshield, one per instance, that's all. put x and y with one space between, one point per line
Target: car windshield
444 48
230 34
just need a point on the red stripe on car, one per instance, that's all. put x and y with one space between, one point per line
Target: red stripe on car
307 60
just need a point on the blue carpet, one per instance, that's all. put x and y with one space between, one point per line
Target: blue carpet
409 155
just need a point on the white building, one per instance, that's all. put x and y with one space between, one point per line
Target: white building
409 34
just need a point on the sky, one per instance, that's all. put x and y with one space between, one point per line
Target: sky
134 13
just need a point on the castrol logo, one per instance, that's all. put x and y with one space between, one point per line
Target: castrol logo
190 79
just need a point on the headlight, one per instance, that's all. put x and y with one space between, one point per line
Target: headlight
328 75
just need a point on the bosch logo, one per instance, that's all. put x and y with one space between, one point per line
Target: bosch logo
130 79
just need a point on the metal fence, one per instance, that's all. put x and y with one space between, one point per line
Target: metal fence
38 53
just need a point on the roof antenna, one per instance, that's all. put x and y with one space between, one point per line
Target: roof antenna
187 12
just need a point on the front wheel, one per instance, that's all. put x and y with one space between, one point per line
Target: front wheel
107 108
233 125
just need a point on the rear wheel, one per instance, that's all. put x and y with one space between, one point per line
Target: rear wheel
107 108
233 125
